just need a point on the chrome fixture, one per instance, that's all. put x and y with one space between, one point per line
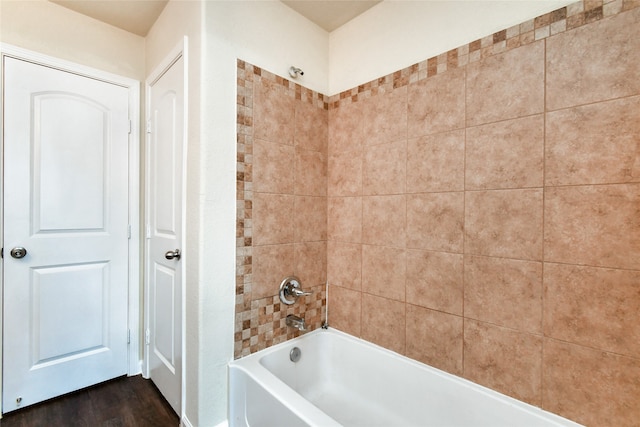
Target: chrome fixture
295 354
291 290
173 254
295 72
296 322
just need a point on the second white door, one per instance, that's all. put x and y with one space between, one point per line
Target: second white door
165 259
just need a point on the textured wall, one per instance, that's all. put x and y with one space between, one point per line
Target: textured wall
484 212
50 29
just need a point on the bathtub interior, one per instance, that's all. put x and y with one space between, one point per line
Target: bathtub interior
315 378
358 383
256 402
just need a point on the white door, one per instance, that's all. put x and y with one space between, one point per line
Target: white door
165 154
65 202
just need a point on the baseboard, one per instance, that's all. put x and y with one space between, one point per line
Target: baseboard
184 422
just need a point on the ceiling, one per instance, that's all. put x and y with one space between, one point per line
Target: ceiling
137 16
330 14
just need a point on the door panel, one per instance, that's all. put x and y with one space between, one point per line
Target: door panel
165 204
62 157
167 145
164 343
66 202
77 323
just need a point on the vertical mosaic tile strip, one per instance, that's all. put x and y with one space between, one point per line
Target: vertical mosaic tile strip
260 323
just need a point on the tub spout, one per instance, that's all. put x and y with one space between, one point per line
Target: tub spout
296 322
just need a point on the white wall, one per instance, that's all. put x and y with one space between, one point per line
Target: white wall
179 19
396 34
54 30
272 36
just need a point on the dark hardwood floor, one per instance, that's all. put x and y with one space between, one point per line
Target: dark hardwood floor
124 401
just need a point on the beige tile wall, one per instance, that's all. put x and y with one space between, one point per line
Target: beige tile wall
478 211
484 212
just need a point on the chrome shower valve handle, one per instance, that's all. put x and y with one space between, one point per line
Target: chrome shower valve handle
299 292
291 290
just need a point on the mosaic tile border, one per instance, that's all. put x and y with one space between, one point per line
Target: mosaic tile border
248 73
261 323
558 21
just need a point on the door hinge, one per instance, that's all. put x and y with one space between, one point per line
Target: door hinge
128 336
130 127
148 126
148 231
147 337
129 231
2 253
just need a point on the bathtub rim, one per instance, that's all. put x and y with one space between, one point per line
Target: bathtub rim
252 366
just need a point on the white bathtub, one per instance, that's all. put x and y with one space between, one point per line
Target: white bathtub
344 381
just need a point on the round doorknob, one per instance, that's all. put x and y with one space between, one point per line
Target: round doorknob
172 254
18 252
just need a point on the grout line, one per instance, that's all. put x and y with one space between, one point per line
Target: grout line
544 198
406 216
591 348
591 103
602 184
464 222
504 120
363 146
